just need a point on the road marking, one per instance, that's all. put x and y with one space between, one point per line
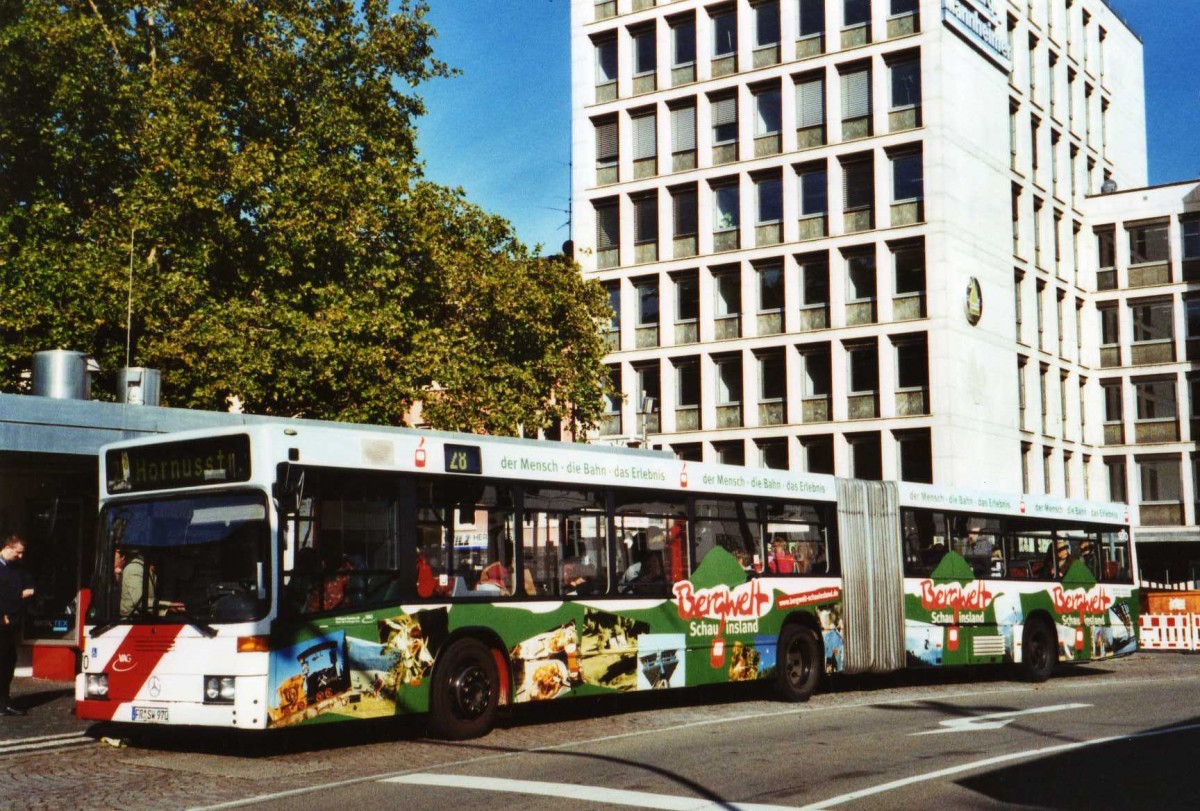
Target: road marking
44 742
571 791
994 720
981 764
865 703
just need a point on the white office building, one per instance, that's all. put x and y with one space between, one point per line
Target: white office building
859 237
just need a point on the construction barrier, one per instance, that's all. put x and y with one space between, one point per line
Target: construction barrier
1180 632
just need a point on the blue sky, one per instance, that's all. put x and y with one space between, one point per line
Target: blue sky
502 129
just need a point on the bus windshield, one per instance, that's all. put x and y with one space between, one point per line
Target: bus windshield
196 559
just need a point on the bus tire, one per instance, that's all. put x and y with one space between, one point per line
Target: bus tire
1039 646
464 692
799 663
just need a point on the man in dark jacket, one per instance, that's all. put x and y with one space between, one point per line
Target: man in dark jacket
16 587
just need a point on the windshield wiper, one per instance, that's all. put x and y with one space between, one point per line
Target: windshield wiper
205 630
100 630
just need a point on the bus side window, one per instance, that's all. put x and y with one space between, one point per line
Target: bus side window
735 526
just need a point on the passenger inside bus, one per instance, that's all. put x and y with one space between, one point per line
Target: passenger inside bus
781 560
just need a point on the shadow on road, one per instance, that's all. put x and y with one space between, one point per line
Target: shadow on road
1152 769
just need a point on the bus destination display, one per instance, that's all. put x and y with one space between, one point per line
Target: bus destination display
463 459
192 463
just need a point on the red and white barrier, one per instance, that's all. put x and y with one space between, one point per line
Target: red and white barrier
1169 632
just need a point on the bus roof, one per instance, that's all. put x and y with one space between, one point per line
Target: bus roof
365 447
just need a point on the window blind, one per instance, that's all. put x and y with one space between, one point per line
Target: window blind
608 227
606 142
810 103
683 129
724 111
856 94
644 137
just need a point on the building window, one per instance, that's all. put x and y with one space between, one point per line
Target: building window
856 12
729 391
683 137
1153 332
773 454
731 453
772 389
863 365
818 454
725 208
687 308
1160 480
766 24
645 145
1155 399
606 151
767 119
810 112
916 456
908 189
645 227
860 286
647 297
856 103
606 69
724 129
1115 470
810 19
813 188
770 288
814 291
724 27
1148 243
905 78
684 220
727 289
769 192
908 264
645 58
649 390
608 233
866 460
610 422
683 42
912 362
687 394
1190 232
858 193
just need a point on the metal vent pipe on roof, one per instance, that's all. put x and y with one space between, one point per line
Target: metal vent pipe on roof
139 386
63 374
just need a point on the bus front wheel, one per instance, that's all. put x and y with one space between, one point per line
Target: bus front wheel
465 692
799 663
1039 651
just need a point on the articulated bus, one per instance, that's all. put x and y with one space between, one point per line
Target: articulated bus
295 573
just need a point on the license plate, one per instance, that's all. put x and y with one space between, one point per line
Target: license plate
151 715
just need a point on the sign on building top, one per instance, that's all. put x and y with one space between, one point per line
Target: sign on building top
983 25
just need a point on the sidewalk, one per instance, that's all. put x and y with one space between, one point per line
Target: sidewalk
50 714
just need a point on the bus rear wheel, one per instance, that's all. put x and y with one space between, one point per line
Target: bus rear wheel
1039 651
799 663
465 692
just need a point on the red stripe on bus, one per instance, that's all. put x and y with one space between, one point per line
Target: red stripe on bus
133 662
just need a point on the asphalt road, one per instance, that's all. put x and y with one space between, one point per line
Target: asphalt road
1119 735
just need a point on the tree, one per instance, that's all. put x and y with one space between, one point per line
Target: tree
252 167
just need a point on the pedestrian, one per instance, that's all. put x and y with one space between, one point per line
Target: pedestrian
16 587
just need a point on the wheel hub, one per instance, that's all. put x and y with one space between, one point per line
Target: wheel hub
471 691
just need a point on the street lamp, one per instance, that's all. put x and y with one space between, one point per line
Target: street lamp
649 407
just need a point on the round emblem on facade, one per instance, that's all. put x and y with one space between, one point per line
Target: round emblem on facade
974 303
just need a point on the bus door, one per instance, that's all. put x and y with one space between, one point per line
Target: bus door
872 575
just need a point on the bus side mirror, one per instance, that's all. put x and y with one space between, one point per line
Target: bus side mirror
288 490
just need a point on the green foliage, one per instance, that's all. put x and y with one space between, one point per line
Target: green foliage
254 165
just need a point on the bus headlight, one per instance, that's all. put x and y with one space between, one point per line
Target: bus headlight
96 686
219 689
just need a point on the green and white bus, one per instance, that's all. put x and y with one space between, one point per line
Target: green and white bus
293 573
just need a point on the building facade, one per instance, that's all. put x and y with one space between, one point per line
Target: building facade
858 236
